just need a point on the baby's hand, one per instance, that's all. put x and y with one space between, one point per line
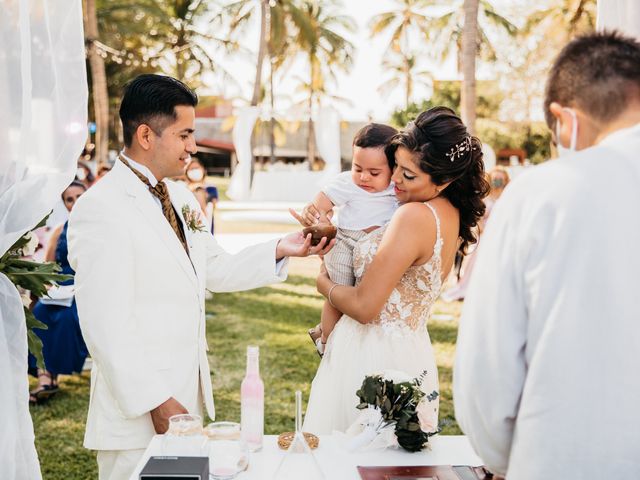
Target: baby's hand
311 214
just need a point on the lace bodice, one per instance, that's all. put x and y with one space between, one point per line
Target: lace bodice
410 302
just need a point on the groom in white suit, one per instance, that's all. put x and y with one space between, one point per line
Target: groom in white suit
142 264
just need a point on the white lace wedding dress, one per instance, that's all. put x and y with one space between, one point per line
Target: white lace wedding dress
397 339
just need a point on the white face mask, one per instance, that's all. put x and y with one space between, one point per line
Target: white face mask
562 150
195 174
81 174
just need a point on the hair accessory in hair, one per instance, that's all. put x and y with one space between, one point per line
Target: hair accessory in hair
460 149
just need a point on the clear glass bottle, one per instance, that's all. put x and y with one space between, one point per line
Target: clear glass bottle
252 402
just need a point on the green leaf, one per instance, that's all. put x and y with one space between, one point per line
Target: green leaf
35 347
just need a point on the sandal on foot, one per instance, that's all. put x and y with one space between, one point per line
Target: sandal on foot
315 333
42 394
320 347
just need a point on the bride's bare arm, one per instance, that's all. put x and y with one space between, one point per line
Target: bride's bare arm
410 234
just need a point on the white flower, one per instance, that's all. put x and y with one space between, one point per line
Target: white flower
396 376
428 416
30 248
26 298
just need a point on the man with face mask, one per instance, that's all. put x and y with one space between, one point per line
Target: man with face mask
543 382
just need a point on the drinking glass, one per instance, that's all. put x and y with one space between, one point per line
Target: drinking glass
184 436
228 454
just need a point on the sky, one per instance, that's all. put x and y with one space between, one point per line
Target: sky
360 85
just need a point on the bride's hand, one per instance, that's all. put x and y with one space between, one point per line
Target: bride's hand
323 270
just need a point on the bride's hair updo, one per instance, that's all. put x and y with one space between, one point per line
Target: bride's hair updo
447 153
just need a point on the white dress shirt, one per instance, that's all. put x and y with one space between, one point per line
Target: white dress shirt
147 173
546 383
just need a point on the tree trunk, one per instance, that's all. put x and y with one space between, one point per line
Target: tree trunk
469 52
407 73
272 137
98 84
262 50
311 141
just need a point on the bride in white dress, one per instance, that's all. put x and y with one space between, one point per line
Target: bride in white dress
439 180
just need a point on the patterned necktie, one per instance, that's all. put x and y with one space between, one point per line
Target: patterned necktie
161 192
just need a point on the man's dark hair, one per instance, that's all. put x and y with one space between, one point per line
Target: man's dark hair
151 99
374 135
598 73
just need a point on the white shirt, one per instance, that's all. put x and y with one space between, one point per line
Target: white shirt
546 381
147 173
360 209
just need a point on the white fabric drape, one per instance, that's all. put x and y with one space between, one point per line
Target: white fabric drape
43 105
327 134
623 15
240 185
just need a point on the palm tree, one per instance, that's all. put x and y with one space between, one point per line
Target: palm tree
463 28
325 49
189 47
404 73
469 52
279 20
98 81
407 20
563 19
446 29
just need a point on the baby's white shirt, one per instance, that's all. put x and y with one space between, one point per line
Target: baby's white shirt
359 209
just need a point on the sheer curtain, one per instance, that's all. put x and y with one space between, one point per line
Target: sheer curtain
327 133
240 184
43 118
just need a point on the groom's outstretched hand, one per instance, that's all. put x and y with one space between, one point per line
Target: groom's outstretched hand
160 415
297 245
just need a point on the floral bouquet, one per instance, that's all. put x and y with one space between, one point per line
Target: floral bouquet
397 412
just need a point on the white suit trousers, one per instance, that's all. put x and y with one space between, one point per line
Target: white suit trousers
118 464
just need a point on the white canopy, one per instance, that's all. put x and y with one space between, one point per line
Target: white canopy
43 123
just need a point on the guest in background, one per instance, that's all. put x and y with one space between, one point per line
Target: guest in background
84 174
63 348
498 179
102 171
206 194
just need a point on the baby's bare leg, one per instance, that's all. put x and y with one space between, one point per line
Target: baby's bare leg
328 320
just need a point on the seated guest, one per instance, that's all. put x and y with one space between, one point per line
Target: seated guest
63 348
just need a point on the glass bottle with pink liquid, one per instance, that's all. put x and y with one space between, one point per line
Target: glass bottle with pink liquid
252 402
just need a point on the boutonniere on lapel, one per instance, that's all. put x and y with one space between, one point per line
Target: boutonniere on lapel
193 219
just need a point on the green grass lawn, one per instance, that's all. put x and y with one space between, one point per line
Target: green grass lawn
276 318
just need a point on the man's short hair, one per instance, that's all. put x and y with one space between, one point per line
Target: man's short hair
374 135
151 99
598 73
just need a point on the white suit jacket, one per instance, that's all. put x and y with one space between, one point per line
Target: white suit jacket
546 381
141 304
